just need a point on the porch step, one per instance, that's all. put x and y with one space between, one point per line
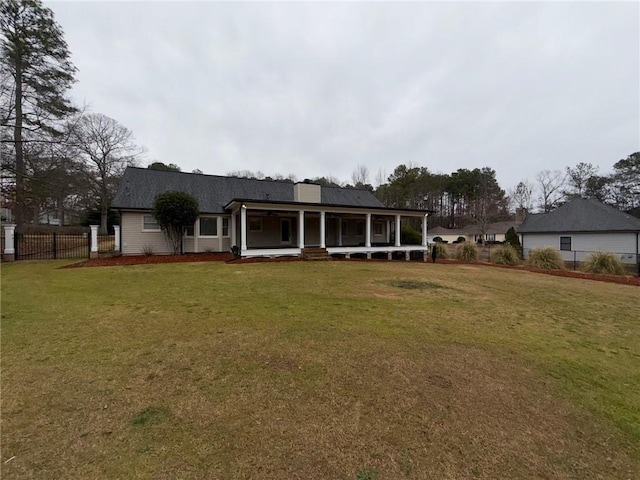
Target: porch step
315 253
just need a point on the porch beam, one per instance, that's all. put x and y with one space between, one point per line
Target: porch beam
243 228
323 240
367 238
424 231
301 229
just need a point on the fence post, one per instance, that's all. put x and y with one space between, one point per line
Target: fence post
9 242
54 245
94 241
116 231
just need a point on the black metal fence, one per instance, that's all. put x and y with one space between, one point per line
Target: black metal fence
57 245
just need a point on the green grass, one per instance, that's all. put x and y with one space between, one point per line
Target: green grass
317 370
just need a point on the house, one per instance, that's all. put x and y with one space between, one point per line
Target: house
261 217
494 232
581 227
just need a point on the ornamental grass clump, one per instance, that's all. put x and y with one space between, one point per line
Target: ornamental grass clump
546 258
467 252
441 250
505 255
603 262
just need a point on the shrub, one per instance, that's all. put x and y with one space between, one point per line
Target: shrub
147 250
409 236
546 258
461 239
441 251
437 239
512 238
603 262
505 255
175 211
467 252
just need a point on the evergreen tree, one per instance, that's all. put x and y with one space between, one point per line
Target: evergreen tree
36 60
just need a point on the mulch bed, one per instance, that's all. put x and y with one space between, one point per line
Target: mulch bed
229 258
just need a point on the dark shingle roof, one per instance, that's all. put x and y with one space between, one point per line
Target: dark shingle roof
581 215
140 186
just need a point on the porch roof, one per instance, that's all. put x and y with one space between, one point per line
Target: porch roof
326 207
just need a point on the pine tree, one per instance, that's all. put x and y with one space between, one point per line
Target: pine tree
36 59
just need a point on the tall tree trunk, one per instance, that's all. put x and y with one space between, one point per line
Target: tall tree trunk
17 139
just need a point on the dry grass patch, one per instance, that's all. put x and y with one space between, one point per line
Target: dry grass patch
301 370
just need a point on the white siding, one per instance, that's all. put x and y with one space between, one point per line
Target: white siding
135 240
624 244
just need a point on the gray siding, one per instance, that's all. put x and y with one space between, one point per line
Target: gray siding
624 244
135 240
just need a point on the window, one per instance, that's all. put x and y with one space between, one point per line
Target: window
344 228
255 224
565 243
490 237
190 231
209 226
378 228
225 227
359 228
149 223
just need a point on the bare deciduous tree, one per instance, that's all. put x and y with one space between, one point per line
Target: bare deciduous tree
551 187
106 148
521 196
360 176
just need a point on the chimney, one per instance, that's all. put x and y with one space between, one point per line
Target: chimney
521 214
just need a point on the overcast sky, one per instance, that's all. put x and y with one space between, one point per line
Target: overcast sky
316 89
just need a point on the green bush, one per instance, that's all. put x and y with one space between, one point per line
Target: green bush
441 250
505 255
460 240
546 258
467 252
603 262
410 236
175 211
437 239
513 239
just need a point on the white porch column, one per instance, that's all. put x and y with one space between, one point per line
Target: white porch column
323 240
243 228
116 233
233 228
367 238
9 250
94 241
424 231
398 232
196 235
388 236
339 231
301 229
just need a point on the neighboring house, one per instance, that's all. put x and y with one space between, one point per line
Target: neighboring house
261 217
580 227
495 232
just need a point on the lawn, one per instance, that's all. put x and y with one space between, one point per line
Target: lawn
333 370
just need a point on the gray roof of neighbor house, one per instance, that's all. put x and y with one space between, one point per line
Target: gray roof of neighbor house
140 186
581 215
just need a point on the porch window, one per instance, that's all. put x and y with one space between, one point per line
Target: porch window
378 229
150 224
255 224
209 226
225 227
565 243
359 228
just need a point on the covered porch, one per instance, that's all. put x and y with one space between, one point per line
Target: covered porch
270 229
